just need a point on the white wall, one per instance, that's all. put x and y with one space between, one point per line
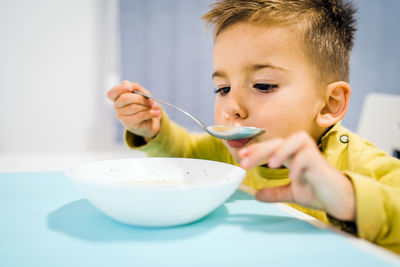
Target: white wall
54 60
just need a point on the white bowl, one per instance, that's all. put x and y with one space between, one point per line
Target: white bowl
157 191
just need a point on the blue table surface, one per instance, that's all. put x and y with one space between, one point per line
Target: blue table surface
45 221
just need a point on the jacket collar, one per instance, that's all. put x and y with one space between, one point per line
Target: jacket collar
333 130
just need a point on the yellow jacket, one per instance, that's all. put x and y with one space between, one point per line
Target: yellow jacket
374 174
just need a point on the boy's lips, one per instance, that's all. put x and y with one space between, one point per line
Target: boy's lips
239 143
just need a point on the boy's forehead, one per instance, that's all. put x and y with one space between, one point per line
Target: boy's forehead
248 48
259 31
254 41
264 39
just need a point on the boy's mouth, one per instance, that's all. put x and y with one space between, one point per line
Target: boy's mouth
239 143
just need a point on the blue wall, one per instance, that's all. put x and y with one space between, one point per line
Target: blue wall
165 47
375 62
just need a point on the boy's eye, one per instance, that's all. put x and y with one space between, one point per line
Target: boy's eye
265 87
223 90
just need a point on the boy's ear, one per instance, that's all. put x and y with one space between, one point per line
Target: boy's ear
337 96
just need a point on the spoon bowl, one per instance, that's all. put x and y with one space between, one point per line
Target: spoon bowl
233 132
220 131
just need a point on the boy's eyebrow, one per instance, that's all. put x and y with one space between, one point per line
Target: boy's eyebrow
218 74
251 68
265 66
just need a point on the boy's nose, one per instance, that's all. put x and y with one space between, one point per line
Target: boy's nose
235 108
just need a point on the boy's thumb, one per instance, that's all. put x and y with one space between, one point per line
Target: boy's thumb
275 194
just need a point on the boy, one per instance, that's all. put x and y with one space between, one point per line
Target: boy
283 65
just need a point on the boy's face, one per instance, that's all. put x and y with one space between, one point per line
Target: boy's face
264 80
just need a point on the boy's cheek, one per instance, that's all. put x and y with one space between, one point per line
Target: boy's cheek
217 119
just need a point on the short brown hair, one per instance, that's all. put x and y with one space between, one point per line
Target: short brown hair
327 27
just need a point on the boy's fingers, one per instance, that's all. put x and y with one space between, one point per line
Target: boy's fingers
275 194
289 148
139 117
127 99
258 154
301 162
115 92
137 87
134 86
131 109
125 87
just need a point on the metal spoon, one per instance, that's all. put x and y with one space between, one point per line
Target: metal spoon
219 131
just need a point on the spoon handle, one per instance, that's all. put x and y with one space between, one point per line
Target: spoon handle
173 106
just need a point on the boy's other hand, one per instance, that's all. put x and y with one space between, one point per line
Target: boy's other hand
139 115
314 182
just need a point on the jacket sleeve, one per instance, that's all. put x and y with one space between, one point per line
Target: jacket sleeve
175 141
377 191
